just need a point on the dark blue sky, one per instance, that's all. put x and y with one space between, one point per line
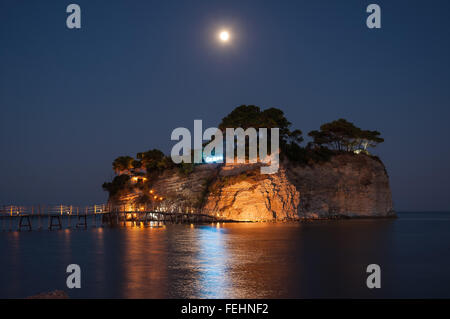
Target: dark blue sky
73 100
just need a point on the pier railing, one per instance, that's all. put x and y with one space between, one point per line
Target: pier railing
46 210
67 216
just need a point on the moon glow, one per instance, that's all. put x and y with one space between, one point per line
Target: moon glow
224 36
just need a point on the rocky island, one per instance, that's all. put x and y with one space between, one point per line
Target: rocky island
334 176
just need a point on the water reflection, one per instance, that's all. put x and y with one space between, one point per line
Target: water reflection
144 263
317 259
212 262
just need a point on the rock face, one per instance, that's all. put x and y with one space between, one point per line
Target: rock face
346 186
253 197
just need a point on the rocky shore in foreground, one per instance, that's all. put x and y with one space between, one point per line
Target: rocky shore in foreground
56 294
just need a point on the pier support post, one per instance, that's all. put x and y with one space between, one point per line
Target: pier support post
84 224
58 224
28 224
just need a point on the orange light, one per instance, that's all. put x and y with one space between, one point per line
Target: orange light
155 197
151 192
160 198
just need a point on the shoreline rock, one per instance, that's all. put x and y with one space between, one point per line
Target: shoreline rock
56 294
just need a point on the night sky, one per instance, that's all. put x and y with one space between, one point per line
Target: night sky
73 100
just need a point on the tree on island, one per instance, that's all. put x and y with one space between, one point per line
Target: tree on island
341 135
337 136
154 160
119 183
151 161
246 116
123 163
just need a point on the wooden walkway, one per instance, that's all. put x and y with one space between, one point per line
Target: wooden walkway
60 217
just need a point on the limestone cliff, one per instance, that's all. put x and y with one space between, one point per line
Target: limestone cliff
347 185
246 195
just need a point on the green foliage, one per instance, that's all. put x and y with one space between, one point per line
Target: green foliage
165 163
246 116
123 163
118 183
154 161
150 159
341 135
306 156
137 164
185 168
336 136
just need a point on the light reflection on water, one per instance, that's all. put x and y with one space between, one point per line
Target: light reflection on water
318 259
211 263
144 263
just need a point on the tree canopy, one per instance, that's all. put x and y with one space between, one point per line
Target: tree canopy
246 116
119 183
150 159
341 135
123 163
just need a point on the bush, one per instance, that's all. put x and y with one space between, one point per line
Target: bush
118 183
306 156
185 168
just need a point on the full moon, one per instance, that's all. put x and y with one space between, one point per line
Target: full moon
224 36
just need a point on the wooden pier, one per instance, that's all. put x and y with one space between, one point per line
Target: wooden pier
21 218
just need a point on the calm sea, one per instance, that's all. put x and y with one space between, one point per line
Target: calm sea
325 259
